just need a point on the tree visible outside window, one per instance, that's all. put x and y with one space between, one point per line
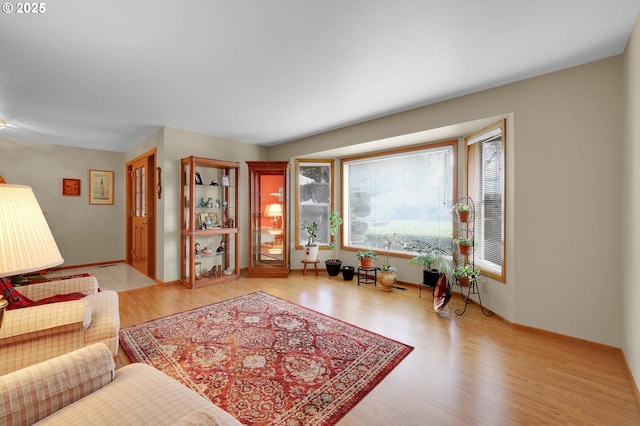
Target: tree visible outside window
408 192
314 198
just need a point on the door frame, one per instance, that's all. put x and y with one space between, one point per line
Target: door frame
153 193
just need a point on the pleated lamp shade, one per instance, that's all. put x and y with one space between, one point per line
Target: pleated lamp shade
26 242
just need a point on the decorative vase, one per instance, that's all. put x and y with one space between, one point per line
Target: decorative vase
311 253
387 280
366 262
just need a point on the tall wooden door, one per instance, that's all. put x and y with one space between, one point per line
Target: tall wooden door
141 205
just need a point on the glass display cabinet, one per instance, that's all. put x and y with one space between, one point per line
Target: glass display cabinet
268 219
209 238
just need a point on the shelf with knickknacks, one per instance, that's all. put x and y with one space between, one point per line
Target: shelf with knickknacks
209 218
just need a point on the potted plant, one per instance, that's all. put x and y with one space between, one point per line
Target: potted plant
366 258
434 261
333 264
463 211
465 274
464 245
311 248
388 272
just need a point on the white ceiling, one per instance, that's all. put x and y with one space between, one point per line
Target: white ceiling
104 74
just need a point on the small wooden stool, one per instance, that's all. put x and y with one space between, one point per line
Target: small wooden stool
306 262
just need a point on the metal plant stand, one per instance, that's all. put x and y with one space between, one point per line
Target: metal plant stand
466 259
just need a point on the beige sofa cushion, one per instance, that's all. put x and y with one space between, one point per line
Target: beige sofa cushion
34 392
105 320
140 395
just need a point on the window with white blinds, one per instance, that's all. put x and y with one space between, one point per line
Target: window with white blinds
407 191
485 185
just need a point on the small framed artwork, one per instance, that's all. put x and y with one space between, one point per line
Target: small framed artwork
225 180
100 187
198 179
71 187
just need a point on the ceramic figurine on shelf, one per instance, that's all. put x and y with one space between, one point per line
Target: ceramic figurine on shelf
220 248
197 249
214 183
209 203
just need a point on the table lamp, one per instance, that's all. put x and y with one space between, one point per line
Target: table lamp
275 211
26 242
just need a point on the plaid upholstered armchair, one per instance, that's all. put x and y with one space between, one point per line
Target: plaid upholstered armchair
39 332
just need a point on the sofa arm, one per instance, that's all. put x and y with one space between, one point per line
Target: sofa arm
85 285
35 392
36 321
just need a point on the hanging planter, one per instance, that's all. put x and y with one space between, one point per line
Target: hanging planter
464 281
463 211
465 275
465 245
465 249
464 216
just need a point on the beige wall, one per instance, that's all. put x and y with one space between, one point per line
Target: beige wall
84 233
630 207
565 156
175 144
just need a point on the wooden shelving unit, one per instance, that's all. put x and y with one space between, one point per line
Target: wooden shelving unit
209 196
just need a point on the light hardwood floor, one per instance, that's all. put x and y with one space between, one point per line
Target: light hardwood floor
469 370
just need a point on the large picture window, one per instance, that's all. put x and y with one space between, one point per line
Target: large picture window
408 192
486 186
314 198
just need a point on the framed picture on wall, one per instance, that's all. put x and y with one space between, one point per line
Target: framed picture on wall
70 187
100 187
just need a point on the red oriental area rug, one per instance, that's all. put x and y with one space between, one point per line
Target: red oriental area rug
267 361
